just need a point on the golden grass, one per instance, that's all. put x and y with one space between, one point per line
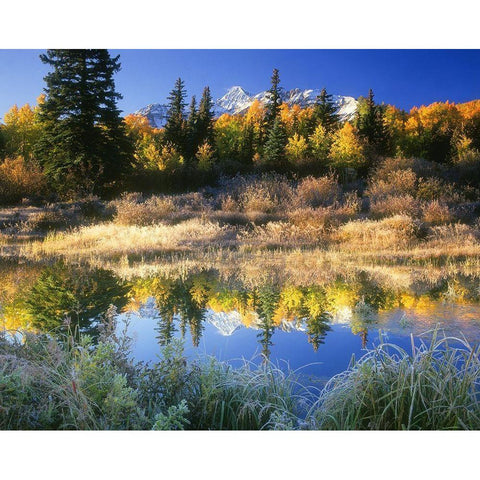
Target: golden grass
110 239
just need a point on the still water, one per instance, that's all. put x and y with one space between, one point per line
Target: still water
313 327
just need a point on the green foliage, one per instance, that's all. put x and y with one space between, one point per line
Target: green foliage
324 111
433 388
175 419
274 100
83 145
369 123
65 298
274 151
176 125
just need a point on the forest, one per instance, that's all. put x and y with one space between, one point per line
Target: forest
74 143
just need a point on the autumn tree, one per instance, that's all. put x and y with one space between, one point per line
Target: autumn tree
83 146
21 131
320 142
146 139
296 150
347 150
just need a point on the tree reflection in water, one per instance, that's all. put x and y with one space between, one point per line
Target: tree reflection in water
49 297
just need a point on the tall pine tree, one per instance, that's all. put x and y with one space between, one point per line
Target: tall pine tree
176 127
205 118
274 99
192 129
274 151
325 111
370 125
83 146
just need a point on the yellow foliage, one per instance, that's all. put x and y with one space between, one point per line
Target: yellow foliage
205 157
296 149
21 130
169 159
320 143
347 150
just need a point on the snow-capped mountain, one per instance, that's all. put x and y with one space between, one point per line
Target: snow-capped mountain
237 101
226 323
156 114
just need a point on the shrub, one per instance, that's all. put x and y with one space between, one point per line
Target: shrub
396 183
45 220
265 194
421 167
133 210
435 212
20 179
395 205
318 192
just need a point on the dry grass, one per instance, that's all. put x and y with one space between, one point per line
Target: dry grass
395 232
110 239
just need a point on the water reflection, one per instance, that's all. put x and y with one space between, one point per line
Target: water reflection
61 296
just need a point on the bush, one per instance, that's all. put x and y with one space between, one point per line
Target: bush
436 213
131 209
318 192
265 194
20 179
395 183
395 205
45 220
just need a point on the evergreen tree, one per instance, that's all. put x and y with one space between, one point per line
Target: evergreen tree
274 151
205 118
369 123
175 127
83 144
325 111
192 129
274 99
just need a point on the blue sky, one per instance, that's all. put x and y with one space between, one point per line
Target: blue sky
401 77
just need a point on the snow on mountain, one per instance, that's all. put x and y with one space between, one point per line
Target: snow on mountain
237 101
226 323
156 114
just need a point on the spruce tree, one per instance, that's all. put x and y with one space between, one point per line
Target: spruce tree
83 145
205 118
192 129
325 111
175 127
274 99
369 122
274 151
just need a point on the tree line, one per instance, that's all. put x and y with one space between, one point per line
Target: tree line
76 142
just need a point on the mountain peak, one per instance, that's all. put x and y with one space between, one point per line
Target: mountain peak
237 101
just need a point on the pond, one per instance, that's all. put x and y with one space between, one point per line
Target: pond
312 327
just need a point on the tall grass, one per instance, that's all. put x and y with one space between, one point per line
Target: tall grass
435 387
68 384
